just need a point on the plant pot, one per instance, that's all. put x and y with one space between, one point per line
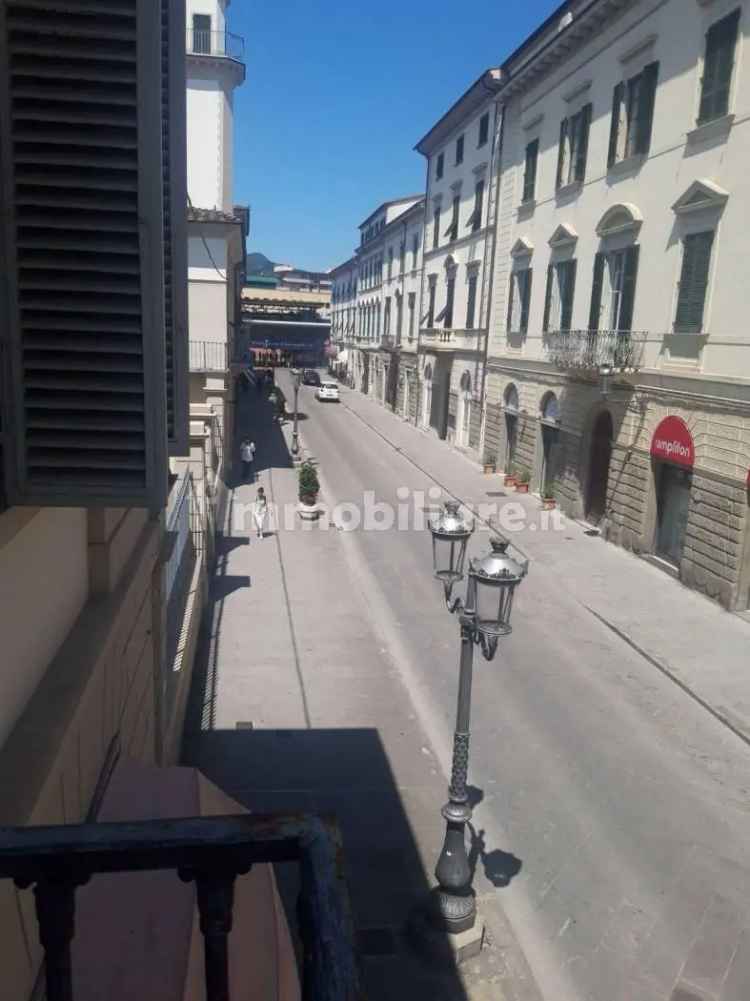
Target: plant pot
522 488
489 468
549 503
510 480
308 509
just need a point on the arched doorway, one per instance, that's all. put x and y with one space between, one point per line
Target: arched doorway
600 456
550 418
463 415
427 396
510 400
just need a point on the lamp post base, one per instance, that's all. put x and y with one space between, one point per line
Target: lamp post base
429 937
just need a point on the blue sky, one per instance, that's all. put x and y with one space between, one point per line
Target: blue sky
336 96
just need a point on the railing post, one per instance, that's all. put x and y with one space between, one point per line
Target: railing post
215 896
55 912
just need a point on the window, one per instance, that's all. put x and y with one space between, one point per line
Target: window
484 128
414 251
412 306
459 150
402 257
613 293
390 262
718 63
202 33
471 299
387 316
399 317
439 166
529 175
450 295
452 231
476 215
696 262
519 300
558 304
574 145
633 115
431 305
436 227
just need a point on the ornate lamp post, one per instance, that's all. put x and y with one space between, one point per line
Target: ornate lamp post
295 436
484 617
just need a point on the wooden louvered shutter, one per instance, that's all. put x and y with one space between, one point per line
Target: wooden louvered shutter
526 300
82 234
614 129
561 152
582 146
629 279
548 297
721 42
646 108
511 294
596 291
696 262
568 294
174 181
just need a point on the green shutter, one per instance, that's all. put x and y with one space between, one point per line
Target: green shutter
584 126
721 41
630 275
529 178
696 261
617 99
596 292
548 296
646 108
526 301
569 286
561 151
511 293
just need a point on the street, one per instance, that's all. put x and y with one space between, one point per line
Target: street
613 804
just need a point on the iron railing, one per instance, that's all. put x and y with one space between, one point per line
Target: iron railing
209 356
216 43
212 852
590 350
459 338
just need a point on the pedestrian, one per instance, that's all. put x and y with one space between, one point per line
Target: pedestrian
260 512
247 454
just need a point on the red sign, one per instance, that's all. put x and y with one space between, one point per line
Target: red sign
672 442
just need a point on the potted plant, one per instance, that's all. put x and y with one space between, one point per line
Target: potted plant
548 500
522 481
309 487
490 464
510 477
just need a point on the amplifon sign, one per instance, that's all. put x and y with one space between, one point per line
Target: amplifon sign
672 442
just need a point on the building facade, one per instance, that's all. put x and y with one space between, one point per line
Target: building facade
619 376
458 250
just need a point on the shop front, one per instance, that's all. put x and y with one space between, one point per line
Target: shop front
673 458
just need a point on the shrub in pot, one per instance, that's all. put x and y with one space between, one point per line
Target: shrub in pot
309 484
548 501
510 478
522 481
490 464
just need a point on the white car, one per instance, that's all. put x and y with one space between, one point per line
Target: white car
328 391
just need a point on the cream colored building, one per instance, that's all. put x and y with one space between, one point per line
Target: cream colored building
619 361
460 205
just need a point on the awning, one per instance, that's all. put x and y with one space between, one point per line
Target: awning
672 442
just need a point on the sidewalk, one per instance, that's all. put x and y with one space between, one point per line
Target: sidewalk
297 706
701 647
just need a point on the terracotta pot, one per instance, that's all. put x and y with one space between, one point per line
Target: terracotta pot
510 480
549 503
522 488
489 468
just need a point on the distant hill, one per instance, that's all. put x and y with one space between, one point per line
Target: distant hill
259 264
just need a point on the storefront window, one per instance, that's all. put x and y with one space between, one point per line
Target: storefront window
673 499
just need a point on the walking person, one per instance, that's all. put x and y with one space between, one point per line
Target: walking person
247 454
260 512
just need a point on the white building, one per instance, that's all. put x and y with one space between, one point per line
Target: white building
619 370
458 247
217 227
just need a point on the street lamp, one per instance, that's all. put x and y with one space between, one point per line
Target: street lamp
295 436
484 617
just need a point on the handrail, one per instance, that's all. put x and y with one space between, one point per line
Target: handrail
215 43
212 852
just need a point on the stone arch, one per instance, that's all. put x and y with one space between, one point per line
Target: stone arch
621 218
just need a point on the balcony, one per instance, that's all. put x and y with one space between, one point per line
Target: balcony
222 44
208 356
450 339
592 350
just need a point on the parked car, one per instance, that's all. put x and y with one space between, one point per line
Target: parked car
328 391
310 377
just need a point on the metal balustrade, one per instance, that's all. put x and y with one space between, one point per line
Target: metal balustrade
208 356
216 43
210 851
590 350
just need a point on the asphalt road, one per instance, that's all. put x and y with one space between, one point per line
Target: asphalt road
624 802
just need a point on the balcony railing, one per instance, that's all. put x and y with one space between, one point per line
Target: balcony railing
216 43
210 851
590 350
208 356
450 337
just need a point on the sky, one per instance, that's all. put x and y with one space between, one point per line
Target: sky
337 95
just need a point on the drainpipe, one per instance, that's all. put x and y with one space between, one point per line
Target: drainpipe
421 290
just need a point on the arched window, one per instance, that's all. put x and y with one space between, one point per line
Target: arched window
510 398
466 382
550 409
621 218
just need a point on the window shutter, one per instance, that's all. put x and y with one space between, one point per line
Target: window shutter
82 228
548 296
561 151
629 278
478 205
526 301
596 291
696 261
617 99
583 143
646 108
511 293
721 41
566 311
529 177
174 179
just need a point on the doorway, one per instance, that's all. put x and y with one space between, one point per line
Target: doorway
463 415
672 504
550 444
599 460
427 401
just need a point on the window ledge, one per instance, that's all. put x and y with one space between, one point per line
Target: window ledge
627 165
569 190
711 130
528 206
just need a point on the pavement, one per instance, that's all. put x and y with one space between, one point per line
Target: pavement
297 705
609 737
